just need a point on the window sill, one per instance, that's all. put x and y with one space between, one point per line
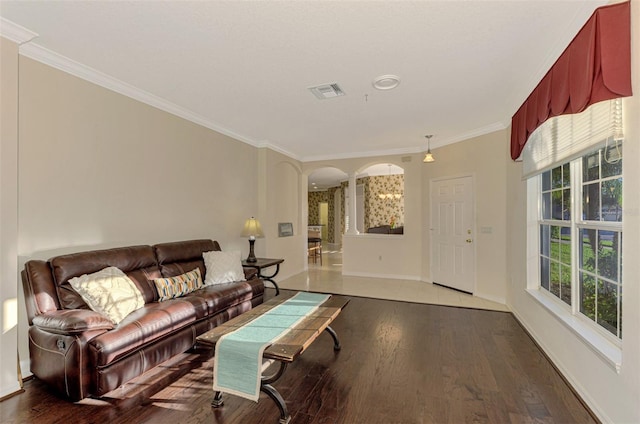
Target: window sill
599 344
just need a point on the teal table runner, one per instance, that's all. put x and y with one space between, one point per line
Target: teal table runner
237 366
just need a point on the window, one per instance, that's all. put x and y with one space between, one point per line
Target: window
555 233
600 235
573 165
580 248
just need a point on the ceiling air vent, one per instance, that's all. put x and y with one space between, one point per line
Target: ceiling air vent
327 91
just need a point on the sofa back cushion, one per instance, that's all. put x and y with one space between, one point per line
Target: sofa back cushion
381 229
137 262
179 257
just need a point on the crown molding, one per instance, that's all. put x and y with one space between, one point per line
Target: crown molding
23 37
355 155
63 63
14 32
497 126
268 145
488 129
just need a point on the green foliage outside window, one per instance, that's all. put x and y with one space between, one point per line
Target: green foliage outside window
600 291
599 246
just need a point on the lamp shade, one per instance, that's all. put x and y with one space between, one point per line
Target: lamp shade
428 157
252 228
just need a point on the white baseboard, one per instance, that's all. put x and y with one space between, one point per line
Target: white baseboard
496 299
593 405
10 389
389 276
25 368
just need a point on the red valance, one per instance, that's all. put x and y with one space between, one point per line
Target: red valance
596 66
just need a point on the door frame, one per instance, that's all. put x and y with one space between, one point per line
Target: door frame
432 183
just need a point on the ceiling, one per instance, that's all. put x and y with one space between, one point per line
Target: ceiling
244 67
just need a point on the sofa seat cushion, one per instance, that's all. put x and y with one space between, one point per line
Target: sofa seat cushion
141 327
220 297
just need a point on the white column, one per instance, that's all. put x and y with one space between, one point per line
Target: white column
352 205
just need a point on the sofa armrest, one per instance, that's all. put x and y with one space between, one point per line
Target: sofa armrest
72 321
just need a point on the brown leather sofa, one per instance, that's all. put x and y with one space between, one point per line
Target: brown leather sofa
81 353
385 229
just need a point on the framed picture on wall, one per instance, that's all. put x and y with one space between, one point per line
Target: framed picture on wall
285 229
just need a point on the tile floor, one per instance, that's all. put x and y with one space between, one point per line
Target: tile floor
328 278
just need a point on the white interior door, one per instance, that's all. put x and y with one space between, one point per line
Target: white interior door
453 261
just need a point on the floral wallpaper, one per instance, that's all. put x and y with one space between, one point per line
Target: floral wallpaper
314 200
384 201
377 210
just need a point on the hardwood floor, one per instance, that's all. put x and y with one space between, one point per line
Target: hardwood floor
400 363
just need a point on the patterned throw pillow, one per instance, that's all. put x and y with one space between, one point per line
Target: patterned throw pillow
170 288
223 267
109 292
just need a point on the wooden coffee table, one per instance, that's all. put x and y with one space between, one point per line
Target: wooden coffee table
287 348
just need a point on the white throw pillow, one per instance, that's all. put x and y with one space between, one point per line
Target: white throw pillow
223 267
109 292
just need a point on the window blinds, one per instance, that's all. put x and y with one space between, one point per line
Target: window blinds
566 137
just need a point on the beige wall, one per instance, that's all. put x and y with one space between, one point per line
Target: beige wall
385 256
485 158
283 198
98 169
9 301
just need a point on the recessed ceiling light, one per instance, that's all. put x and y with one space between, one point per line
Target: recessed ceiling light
386 82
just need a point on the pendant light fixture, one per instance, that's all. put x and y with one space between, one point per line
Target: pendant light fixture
428 157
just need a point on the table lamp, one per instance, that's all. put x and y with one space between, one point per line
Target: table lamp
252 230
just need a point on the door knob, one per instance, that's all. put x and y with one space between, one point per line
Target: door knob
469 240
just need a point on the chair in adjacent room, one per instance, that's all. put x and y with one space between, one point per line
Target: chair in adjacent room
314 246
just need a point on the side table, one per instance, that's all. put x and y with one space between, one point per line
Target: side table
260 264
